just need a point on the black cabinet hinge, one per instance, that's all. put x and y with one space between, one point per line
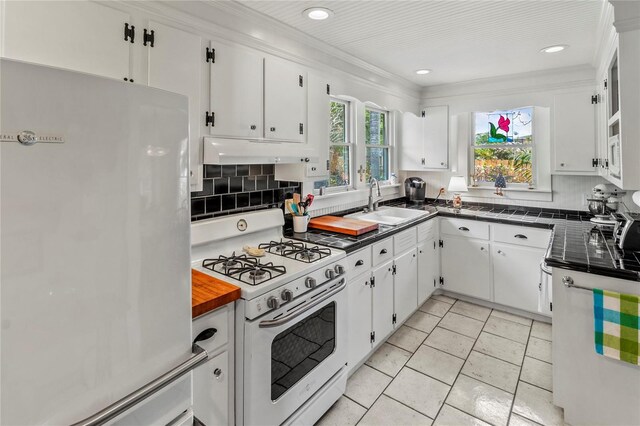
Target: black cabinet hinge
148 37
373 282
301 127
551 306
434 244
441 243
328 164
594 99
210 119
595 162
328 89
300 81
394 270
434 282
441 280
423 114
605 85
210 55
394 319
606 163
129 32
372 336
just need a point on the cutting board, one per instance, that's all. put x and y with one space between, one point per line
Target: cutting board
342 225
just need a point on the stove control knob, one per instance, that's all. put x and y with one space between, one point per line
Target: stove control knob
273 303
310 282
339 269
287 295
330 273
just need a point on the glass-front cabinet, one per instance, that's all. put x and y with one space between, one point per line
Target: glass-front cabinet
612 87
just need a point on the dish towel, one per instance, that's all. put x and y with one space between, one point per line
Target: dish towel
617 325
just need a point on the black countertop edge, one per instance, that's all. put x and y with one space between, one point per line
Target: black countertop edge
606 272
480 218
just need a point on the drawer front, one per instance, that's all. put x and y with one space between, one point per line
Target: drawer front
427 230
465 228
217 319
382 251
521 235
358 262
404 241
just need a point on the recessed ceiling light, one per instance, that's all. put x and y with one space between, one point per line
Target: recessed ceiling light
423 72
317 13
554 49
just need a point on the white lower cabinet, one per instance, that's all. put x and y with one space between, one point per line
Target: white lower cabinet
466 268
211 391
405 282
359 296
516 276
382 287
428 269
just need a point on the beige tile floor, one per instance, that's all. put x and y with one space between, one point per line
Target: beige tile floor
454 363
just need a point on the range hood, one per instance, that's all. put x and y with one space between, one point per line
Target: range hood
243 151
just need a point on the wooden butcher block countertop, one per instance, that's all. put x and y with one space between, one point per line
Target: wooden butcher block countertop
208 293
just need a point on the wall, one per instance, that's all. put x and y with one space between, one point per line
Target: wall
533 89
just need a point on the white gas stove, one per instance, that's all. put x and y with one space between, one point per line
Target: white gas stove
288 269
290 346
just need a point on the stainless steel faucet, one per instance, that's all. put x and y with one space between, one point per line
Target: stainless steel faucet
373 205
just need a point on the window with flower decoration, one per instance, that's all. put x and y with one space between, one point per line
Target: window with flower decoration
503 148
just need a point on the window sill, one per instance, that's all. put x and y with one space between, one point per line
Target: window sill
351 190
526 194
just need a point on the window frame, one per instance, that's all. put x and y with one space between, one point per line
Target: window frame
504 145
388 146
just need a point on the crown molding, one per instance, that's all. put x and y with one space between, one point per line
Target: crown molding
554 79
626 15
604 33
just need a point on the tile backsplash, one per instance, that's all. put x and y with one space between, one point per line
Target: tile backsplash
229 189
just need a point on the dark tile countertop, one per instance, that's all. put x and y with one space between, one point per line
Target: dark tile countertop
576 244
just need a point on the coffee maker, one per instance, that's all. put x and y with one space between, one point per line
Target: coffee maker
414 189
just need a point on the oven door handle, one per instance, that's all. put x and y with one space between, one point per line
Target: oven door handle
302 309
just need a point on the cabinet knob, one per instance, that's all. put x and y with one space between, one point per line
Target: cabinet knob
217 373
500 252
561 164
253 127
481 248
442 164
272 129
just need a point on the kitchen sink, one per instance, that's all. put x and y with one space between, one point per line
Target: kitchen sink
389 215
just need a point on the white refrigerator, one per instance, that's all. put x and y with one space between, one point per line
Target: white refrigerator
95 291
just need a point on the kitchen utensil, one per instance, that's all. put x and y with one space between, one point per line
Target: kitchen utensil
302 207
296 198
288 205
343 225
310 198
300 223
294 208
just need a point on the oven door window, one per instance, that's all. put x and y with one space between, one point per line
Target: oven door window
301 348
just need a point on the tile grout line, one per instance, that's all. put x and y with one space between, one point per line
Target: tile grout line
515 392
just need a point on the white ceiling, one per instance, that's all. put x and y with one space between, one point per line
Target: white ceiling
458 40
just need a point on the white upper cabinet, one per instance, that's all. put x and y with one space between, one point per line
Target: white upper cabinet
424 144
175 63
236 92
436 137
78 35
574 133
285 100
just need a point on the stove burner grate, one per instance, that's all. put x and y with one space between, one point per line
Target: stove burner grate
256 273
296 250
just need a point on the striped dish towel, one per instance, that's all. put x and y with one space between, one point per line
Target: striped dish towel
617 325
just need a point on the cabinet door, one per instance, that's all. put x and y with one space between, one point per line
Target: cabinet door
175 64
318 124
428 269
411 144
383 301
436 137
405 282
211 391
359 324
516 276
574 132
77 35
466 267
285 100
236 92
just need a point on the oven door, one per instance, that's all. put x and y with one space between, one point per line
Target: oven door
292 352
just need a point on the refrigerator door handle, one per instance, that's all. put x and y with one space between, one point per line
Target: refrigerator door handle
134 398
